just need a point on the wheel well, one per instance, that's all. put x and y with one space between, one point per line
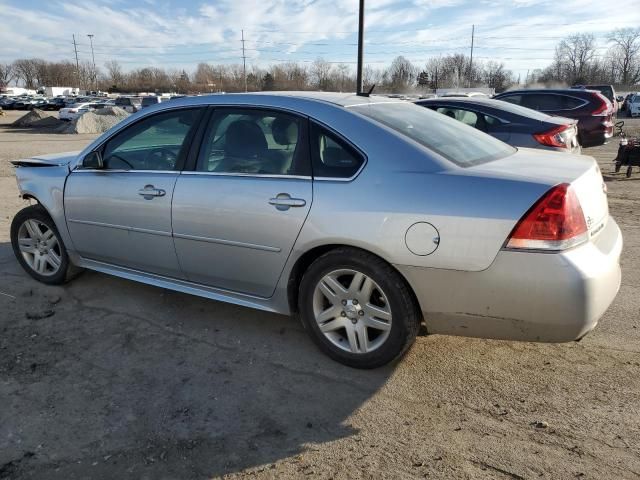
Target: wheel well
308 258
28 196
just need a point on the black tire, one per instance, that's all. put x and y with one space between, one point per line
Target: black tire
406 314
66 270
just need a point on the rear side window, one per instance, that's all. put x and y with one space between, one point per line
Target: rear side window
445 136
550 102
333 157
515 99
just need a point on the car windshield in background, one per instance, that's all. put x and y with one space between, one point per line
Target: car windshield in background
462 145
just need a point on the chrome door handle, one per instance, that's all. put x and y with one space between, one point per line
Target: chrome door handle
283 201
149 191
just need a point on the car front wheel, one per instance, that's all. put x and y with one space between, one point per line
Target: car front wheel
38 247
357 308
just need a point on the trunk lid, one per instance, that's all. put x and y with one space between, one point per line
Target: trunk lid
550 169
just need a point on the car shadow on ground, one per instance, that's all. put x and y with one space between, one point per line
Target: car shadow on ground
106 378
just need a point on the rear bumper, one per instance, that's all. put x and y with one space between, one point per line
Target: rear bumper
542 297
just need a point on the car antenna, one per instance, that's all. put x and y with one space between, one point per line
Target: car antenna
367 94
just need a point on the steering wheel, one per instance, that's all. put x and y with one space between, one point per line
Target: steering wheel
163 156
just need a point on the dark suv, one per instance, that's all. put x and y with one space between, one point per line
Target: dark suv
593 111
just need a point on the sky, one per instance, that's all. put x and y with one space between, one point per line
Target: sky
181 33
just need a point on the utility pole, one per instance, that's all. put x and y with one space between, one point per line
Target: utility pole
75 48
244 64
435 90
359 86
473 30
93 58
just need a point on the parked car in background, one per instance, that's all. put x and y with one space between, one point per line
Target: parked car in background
75 110
150 100
464 94
130 104
592 109
55 104
363 215
29 103
634 105
518 126
625 102
607 90
7 103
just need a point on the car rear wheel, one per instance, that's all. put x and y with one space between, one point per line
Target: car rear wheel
357 308
38 247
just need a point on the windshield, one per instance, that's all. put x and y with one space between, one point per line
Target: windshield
463 145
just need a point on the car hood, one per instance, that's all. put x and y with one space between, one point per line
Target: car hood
49 160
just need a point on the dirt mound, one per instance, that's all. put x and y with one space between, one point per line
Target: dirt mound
32 117
96 121
47 122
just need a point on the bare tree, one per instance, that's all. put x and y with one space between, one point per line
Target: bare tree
116 77
6 74
574 54
626 54
401 74
27 71
320 74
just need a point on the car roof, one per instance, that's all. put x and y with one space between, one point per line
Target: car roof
568 91
336 98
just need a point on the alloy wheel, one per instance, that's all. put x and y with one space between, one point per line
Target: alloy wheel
352 311
39 247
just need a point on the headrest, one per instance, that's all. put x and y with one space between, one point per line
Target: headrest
285 131
244 139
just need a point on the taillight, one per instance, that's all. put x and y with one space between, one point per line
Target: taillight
603 106
555 222
556 137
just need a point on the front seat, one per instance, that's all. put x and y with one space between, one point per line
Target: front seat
244 148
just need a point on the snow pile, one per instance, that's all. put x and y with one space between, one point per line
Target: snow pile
34 116
95 121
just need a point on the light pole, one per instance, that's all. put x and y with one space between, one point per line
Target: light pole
359 86
93 58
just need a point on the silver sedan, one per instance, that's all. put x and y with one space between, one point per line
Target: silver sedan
363 215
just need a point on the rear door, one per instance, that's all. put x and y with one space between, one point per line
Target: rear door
121 214
238 212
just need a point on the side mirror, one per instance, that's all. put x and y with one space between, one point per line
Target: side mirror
93 160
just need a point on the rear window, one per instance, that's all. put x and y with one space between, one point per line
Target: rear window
606 90
516 109
458 143
123 101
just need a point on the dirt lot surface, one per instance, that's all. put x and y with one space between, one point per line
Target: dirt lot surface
104 378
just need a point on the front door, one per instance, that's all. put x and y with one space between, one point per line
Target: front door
237 215
121 214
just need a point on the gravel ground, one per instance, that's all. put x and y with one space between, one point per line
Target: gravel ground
105 378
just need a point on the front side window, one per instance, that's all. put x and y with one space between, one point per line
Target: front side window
254 142
438 133
154 143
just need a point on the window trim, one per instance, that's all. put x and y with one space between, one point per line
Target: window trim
182 158
191 164
313 123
